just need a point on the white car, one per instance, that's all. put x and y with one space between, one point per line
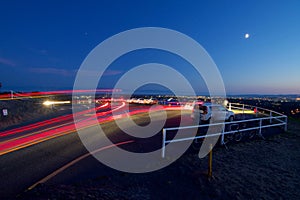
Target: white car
132 100
140 101
151 101
209 111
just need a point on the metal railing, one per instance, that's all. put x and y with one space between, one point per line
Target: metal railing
273 119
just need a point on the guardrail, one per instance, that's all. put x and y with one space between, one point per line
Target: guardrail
257 124
253 109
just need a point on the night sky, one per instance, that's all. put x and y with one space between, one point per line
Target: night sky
43 43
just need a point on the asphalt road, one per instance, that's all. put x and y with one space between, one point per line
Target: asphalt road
22 168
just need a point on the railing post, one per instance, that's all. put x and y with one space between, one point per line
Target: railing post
243 108
229 106
285 126
163 144
256 112
260 124
222 136
270 117
210 161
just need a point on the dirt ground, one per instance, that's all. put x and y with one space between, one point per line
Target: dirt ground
256 169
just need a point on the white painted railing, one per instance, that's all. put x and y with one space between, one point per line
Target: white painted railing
274 119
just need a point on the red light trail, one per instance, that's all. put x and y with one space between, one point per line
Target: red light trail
59 92
59 126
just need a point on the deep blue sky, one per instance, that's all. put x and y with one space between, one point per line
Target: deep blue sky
43 43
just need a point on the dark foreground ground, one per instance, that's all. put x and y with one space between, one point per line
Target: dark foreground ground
257 169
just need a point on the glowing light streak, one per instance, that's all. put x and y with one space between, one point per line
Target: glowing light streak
67 127
48 122
61 92
49 103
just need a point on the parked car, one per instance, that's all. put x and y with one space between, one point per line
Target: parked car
140 101
151 101
209 111
172 102
132 100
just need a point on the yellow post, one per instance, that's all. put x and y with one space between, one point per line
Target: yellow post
210 162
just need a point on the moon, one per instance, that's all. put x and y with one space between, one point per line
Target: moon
247 35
